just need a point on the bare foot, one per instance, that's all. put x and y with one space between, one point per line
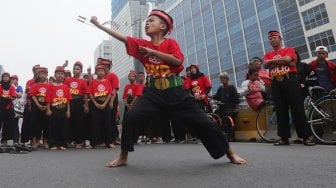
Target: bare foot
121 161
111 146
62 148
234 158
116 163
53 148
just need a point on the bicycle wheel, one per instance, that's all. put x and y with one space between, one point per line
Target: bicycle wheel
266 124
322 120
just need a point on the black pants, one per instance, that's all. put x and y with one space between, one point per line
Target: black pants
76 125
101 126
39 123
114 128
58 128
26 129
287 95
177 103
6 120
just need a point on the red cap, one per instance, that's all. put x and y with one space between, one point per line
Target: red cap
78 63
36 67
132 72
100 66
60 69
15 76
43 69
165 17
274 34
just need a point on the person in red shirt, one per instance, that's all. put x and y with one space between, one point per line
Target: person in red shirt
131 91
26 127
38 93
141 77
113 103
58 108
162 59
285 90
78 105
200 86
100 92
7 95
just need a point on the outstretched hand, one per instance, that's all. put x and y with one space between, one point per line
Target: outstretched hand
146 51
94 20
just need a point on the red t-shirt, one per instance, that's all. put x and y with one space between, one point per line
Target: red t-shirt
284 69
100 89
58 95
39 90
77 86
142 87
199 85
7 94
29 84
131 90
113 79
154 66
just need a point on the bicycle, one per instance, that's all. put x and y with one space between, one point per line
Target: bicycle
222 119
321 114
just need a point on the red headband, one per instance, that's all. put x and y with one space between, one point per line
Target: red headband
274 34
166 18
132 72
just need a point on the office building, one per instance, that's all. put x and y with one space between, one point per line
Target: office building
224 35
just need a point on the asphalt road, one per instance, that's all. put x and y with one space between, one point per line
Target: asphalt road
173 165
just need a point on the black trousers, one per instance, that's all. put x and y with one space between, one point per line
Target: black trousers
39 122
76 125
101 126
26 129
6 120
287 95
58 128
173 102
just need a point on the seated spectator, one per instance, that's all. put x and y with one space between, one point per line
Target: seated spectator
252 90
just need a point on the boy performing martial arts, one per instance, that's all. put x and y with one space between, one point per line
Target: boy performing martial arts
165 96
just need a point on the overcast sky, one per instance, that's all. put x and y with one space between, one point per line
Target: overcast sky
46 32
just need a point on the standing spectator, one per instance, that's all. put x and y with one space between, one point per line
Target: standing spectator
325 70
286 92
252 89
18 107
200 86
78 105
26 129
113 103
58 108
39 121
100 92
163 60
7 95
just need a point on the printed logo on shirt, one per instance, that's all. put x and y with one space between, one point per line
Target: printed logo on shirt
5 94
101 87
73 88
280 70
157 70
59 93
129 92
74 85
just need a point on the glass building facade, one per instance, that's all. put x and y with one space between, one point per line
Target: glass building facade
224 35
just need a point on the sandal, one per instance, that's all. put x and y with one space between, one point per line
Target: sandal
309 142
282 142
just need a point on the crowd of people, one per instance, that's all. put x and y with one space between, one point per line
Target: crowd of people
70 108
